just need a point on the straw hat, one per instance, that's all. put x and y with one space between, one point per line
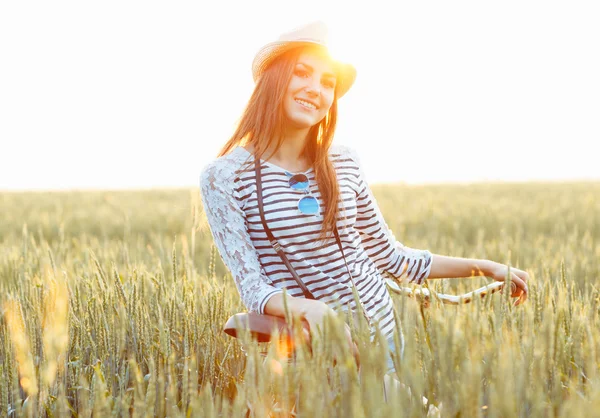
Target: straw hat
312 34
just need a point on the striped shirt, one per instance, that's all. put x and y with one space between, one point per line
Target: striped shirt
228 189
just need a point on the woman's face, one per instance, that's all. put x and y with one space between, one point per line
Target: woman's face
310 92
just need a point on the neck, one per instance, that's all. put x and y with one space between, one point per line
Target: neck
290 155
292 146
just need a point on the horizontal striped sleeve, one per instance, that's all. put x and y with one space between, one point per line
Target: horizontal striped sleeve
389 255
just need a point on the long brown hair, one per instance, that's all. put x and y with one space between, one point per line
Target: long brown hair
263 122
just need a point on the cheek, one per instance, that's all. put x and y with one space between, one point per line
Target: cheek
328 99
326 105
295 85
288 105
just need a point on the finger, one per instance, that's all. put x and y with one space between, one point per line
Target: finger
523 275
349 339
515 291
523 297
521 285
513 288
352 345
520 299
306 335
314 327
356 355
519 282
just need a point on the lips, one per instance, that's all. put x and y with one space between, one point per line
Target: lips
307 104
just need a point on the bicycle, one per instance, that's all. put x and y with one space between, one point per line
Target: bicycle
261 328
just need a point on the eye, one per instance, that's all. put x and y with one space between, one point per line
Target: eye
301 73
329 83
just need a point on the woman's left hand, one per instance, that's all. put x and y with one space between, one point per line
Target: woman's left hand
519 277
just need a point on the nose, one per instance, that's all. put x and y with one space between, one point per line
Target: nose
313 87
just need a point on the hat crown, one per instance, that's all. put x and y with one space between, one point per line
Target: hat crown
315 32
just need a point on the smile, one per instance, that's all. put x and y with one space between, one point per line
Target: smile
306 104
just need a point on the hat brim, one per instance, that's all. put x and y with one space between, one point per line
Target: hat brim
267 54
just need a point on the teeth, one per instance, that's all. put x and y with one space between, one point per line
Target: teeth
306 104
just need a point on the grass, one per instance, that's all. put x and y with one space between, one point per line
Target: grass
114 302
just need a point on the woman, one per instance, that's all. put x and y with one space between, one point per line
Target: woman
315 200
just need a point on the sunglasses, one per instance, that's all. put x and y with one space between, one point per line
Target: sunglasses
308 204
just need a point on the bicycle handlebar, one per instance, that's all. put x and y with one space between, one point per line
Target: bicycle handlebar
425 293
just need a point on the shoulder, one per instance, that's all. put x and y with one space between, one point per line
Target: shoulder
223 171
344 153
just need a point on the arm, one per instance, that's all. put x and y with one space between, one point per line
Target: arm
453 267
444 267
228 228
379 242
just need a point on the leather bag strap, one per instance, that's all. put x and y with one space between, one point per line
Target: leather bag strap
277 247
270 236
339 243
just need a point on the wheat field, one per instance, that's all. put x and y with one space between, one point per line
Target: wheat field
112 303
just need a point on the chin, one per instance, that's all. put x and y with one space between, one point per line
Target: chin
302 122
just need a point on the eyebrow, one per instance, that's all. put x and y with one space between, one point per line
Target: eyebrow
329 75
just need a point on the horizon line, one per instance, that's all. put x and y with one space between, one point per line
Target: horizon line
373 184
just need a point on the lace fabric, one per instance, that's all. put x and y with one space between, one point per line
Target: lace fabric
227 223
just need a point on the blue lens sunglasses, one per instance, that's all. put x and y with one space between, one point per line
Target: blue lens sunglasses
308 204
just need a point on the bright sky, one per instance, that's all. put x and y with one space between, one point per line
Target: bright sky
124 94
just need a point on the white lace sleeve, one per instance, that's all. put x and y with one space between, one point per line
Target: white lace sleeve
228 226
379 242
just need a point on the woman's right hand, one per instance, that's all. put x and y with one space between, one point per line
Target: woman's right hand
312 311
315 313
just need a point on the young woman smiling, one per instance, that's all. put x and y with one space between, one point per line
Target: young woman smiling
279 190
